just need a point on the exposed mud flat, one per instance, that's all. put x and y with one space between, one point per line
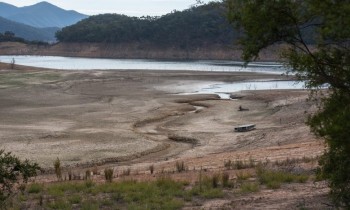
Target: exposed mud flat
123 119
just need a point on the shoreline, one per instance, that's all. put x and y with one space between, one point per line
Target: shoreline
98 64
133 51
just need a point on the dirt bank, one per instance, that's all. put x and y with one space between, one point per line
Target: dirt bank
131 51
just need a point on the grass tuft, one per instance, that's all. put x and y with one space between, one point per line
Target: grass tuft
274 179
248 187
35 188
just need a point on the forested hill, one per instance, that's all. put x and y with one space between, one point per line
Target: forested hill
194 27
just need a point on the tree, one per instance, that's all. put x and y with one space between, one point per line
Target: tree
316 39
13 171
9 34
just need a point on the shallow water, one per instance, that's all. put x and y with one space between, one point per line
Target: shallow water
223 90
67 63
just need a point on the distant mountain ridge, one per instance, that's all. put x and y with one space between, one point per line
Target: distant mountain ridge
38 22
28 32
7 9
40 15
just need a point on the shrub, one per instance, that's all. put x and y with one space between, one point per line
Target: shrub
14 171
109 174
215 181
151 168
58 169
87 174
180 166
225 180
70 175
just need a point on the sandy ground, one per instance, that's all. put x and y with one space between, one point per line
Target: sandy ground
125 119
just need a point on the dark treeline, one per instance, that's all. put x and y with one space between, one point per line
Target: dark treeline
195 27
9 36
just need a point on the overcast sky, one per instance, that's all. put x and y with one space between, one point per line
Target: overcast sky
127 7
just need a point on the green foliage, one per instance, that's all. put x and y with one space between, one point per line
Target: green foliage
207 187
265 23
163 193
249 187
35 188
13 171
75 199
212 193
274 179
9 36
197 26
59 204
333 124
27 32
90 205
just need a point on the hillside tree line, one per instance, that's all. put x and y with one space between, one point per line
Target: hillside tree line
195 27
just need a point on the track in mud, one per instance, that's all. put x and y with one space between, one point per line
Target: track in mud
154 130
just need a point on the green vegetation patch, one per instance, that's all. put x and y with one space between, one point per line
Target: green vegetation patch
249 187
20 79
163 193
274 179
35 188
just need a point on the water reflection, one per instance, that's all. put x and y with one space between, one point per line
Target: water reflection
66 63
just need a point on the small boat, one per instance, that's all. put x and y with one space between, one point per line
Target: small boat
244 128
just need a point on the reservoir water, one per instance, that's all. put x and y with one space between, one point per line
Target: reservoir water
197 87
224 90
70 63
